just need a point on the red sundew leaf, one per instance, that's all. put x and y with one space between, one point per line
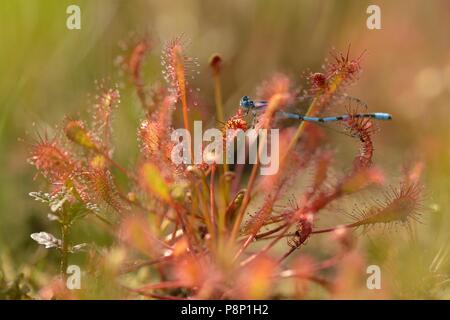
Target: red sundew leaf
136 59
177 66
103 114
52 161
149 137
154 132
102 188
400 205
261 217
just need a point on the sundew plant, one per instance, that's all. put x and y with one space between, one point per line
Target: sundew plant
213 230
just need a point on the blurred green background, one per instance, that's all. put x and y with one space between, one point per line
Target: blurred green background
48 71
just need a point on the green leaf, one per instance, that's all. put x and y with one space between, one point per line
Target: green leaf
154 182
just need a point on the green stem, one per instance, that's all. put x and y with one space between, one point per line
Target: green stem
64 248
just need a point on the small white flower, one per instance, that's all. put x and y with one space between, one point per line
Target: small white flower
79 247
46 239
52 217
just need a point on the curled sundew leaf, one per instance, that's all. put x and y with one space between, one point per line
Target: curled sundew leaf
364 129
46 239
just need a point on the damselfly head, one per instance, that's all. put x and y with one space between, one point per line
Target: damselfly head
245 102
